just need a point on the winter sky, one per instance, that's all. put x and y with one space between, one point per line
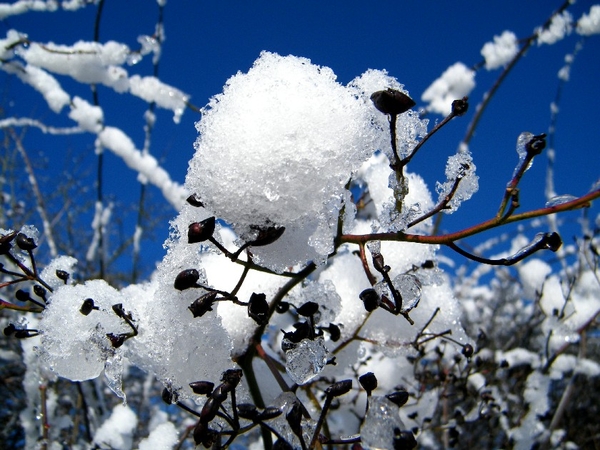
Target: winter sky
415 41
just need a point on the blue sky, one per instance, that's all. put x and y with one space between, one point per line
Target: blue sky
415 41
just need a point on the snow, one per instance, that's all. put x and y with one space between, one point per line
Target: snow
152 90
120 144
6 45
86 62
560 27
42 82
163 437
501 51
456 82
117 431
23 6
533 273
89 117
518 356
589 23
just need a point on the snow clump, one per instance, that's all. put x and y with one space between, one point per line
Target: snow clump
560 27
501 51
277 148
589 24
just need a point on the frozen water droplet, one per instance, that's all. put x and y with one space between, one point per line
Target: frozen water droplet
409 288
559 200
306 360
377 431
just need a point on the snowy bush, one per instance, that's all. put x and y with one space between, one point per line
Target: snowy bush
303 300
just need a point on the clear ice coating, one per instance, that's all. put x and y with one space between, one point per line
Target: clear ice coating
409 288
522 142
383 417
306 360
559 200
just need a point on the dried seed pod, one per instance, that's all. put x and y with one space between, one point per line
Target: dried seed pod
232 377
194 200
204 435
220 393
392 101
308 309
168 396
269 413
201 231
40 291
460 106
118 310
87 306
378 263
258 308
202 305
303 331
334 332
368 381
63 275
553 241
399 397
116 340
247 411
25 242
371 299
186 279
22 296
536 144
267 236
339 388
404 440
202 387
209 410
467 350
